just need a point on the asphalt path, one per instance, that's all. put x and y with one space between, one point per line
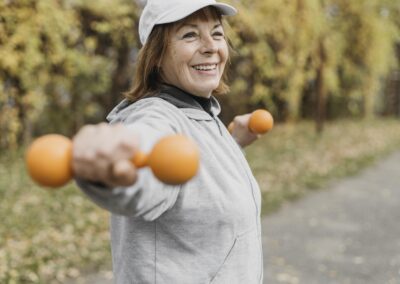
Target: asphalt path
348 233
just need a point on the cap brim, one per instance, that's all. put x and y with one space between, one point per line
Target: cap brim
225 9
176 15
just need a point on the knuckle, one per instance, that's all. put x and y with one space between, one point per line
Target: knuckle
90 128
119 126
87 156
122 174
84 173
103 126
104 152
126 144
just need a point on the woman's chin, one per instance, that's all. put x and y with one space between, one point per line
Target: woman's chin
204 92
205 87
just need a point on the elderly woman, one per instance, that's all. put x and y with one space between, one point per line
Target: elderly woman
208 229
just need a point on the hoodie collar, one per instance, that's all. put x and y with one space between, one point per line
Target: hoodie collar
197 108
184 100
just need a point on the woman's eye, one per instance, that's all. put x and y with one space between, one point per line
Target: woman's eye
190 35
218 34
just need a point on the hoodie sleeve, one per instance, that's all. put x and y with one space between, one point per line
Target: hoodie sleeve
148 198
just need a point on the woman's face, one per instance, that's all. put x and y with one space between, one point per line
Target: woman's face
196 56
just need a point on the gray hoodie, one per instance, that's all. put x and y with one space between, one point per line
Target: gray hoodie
204 231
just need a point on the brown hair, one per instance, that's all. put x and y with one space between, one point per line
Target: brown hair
147 78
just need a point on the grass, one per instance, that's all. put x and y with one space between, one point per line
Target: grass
293 159
46 237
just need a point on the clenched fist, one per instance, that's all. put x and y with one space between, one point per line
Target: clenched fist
102 153
241 132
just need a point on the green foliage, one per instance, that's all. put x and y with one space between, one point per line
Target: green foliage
368 56
57 60
283 44
65 63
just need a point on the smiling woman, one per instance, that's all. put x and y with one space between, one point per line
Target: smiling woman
206 230
156 62
197 54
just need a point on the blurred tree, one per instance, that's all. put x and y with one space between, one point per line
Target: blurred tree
62 63
32 42
276 42
330 54
369 38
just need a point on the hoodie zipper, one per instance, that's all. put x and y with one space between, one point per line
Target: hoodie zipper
242 164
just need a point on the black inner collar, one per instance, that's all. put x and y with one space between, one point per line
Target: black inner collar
184 99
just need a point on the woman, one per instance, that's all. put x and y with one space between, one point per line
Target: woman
208 229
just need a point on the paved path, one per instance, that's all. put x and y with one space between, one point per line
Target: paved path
349 233
346 234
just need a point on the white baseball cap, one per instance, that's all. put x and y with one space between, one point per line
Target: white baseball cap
168 11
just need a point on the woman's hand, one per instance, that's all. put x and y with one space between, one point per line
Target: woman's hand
241 132
102 153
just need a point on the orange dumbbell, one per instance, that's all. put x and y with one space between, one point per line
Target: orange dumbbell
173 160
261 121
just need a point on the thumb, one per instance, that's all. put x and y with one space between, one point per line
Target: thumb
124 173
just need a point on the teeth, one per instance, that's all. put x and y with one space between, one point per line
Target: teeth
205 67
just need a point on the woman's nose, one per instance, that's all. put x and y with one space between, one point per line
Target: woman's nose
208 45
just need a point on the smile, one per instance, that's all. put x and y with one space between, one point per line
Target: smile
205 67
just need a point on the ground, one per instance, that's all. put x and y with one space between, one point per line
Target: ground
346 233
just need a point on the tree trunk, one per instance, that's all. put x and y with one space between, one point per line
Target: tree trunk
121 77
320 102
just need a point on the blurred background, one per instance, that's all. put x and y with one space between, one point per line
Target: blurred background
328 71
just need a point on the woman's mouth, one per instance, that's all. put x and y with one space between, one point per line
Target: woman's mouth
205 67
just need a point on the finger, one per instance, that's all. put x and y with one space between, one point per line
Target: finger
124 144
87 130
81 145
84 172
102 170
231 126
123 173
242 120
81 163
129 141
